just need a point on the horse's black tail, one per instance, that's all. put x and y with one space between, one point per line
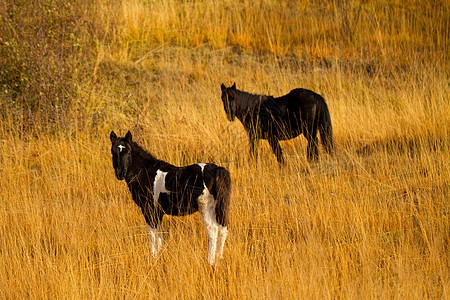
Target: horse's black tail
222 186
325 128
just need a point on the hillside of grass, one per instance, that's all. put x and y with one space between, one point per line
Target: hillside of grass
370 222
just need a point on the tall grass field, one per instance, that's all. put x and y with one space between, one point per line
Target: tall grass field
370 222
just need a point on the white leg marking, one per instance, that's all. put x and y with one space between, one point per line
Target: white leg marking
212 232
155 239
223 233
206 209
159 185
158 238
152 238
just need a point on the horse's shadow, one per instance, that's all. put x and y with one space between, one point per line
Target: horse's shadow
403 145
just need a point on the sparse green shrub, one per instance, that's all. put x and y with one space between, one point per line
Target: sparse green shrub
42 54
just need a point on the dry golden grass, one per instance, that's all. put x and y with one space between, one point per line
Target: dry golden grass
370 222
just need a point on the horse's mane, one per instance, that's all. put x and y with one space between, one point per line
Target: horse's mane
141 151
248 101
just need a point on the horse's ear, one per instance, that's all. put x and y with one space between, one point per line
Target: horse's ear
113 137
233 86
128 136
223 86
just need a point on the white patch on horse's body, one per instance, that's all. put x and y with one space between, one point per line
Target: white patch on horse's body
202 165
159 185
121 147
206 206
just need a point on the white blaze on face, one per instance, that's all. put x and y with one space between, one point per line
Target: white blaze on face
121 147
159 186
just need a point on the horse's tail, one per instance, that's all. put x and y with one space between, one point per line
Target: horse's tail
222 189
325 128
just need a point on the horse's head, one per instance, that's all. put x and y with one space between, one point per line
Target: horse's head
121 154
229 100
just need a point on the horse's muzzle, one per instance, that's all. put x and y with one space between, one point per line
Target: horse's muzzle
120 174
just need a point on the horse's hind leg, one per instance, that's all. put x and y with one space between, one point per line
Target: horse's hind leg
212 230
223 233
312 149
273 142
206 209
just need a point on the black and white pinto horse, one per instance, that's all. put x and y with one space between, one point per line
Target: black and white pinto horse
282 118
160 188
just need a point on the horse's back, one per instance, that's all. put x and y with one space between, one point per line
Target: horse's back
303 96
195 176
303 101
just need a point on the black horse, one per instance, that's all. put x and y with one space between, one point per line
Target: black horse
282 118
160 188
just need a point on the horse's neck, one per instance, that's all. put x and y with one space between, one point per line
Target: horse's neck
247 102
139 162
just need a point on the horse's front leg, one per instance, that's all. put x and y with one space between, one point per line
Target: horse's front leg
253 145
154 235
153 217
274 143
